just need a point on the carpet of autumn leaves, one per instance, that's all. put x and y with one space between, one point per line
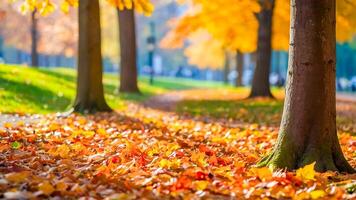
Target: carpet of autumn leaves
143 153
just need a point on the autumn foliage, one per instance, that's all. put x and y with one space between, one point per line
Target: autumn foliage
152 154
232 25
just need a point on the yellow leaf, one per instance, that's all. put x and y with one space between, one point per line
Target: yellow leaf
201 185
63 151
307 172
316 194
7 125
17 177
46 188
199 159
65 6
262 173
164 163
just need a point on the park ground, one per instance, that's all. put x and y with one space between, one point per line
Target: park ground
179 139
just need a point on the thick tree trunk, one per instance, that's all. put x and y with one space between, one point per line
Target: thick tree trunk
239 68
260 83
128 68
308 128
226 68
34 39
90 94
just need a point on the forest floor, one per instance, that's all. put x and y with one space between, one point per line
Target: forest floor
191 144
173 142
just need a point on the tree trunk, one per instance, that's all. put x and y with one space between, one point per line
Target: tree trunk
90 94
128 68
226 68
239 68
308 128
34 39
260 83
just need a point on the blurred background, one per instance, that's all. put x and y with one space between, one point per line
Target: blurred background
197 57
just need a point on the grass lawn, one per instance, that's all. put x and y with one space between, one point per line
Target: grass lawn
28 90
232 104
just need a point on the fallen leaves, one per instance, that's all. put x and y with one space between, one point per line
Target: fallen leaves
307 172
153 155
17 177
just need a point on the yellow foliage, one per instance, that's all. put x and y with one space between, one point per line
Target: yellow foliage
317 194
47 6
280 26
201 185
263 173
205 52
231 22
307 172
345 22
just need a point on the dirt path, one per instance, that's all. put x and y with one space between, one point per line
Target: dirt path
168 101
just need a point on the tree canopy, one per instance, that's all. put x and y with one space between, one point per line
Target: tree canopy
47 6
235 27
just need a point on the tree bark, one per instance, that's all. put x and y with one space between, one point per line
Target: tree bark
226 68
34 39
239 68
128 67
90 93
308 128
260 83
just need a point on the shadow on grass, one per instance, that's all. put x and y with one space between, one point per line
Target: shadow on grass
29 94
262 111
259 111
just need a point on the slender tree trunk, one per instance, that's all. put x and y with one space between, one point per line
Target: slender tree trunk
226 68
90 94
239 68
308 128
260 83
34 39
128 69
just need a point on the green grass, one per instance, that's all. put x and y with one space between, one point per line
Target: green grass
28 90
249 111
232 104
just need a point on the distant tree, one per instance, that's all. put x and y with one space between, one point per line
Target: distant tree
239 68
127 31
58 32
232 25
237 27
128 66
34 39
226 68
260 82
90 92
308 130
